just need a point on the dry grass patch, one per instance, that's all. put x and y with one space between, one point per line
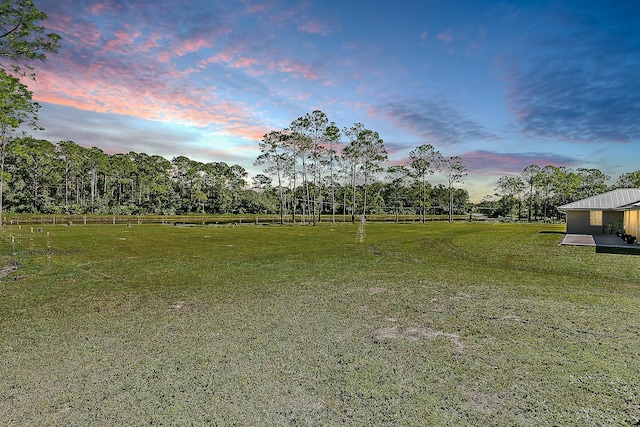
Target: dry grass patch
417 333
7 270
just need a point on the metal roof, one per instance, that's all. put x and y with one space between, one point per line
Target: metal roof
630 206
612 200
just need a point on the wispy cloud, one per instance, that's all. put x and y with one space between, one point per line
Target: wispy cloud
122 41
258 66
232 71
130 68
436 122
297 68
113 133
145 94
314 27
581 84
491 163
445 37
192 45
100 7
255 7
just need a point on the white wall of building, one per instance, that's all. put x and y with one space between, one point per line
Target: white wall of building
632 222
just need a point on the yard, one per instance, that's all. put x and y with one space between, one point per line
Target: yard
417 324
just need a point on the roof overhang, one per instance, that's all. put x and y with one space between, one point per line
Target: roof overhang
615 200
630 206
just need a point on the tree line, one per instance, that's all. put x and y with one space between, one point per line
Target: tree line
312 170
536 192
342 177
67 178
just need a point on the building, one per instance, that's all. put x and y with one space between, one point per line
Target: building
631 220
593 215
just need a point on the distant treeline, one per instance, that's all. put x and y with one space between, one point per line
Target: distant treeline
68 179
538 191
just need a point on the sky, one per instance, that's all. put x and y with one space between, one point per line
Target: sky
502 84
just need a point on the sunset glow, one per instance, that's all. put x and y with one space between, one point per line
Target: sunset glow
503 85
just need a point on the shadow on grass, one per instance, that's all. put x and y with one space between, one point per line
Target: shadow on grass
617 250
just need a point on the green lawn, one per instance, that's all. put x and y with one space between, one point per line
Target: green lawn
434 324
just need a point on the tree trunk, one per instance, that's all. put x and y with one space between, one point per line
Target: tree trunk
2 154
364 201
423 208
67 185
396 204
280 195
35 188
93 190
353 194
333 190
450 203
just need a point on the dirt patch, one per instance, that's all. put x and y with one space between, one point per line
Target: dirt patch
177 306
514 318
7 270
463 296
416 333
374 250
380 290
482 402
184 307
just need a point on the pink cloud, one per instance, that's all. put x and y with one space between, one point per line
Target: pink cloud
204 40
488 163
80 33
123 39
192 45
151 44
314 27
282 17
241 154
127 67
445 37
257 7
219 58
164 56
252 133
258 66
95 9
100 89
296 68
243 62
250 65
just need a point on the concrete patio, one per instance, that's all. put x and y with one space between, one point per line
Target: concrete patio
604 243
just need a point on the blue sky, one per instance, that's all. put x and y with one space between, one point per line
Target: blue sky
502 84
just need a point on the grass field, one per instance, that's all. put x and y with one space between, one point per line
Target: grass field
434 324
